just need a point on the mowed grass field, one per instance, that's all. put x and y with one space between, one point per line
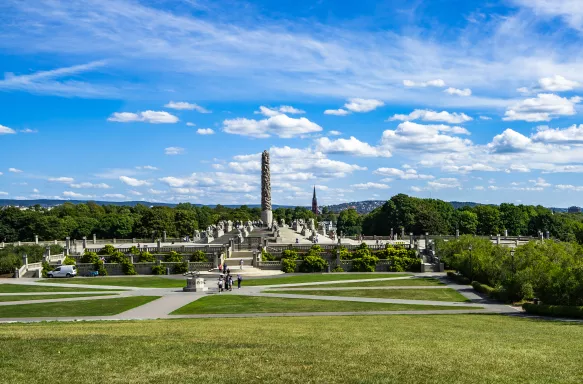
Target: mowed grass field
163 282
416 281
452 349
256 304
47 297
18 288
100 307
445 294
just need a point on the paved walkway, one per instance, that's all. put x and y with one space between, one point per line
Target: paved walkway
173 298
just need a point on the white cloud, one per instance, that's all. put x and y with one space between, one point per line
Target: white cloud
2 193
283 109
421 138
569 187
135 193
337 112
557 83
6 131
335 133
279 125
363 105
409 174
423 84
459 92
428 115
485 118
205 131
61 179
156 192
416 189
540 182
76 195
569 136
510 141
444 183
114 196
189 124
351 146
35 190
174 151
523 90
153 117
27 130
134 182
545 107
370 185
469 168
147 167
90 185
182 105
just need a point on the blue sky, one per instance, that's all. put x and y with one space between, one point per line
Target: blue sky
174 100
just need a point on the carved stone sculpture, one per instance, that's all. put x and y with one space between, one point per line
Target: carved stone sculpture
266 214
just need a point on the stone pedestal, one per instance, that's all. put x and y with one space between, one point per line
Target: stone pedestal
195 285
267 218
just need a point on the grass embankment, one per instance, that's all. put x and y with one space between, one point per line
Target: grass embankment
101 307
255 304
18 288
163 282
48 297
445 294
484 349
414 281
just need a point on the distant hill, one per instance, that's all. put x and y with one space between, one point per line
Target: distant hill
367 206
46 203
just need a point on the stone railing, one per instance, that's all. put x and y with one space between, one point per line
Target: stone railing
29 267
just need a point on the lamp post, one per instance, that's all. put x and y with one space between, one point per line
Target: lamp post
471 269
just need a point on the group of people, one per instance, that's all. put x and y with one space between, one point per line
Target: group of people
225 282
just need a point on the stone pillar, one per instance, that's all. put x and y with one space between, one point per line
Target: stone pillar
337 257
505 233
84 242
48 251
133 240
19 243
153 236
114 241
215 260
266 213
411 240
67 242
56 242
131 256
66 251
457 233
402 233
94 238
36 239
548 235
254 260
498 239
25 259
426 239
391 233
541 236
164 236
159 246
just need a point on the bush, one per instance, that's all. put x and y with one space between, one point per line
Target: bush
181 267
173 257
288 265
107 250
289 254
483 288
554 310
118 257
199 257
46 268
69 261
313 264
266 256
89 257
364 264
8 262
158 270
402 264
338 269
100 268
134 250
146 257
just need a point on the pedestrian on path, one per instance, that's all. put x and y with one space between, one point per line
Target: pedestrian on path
239 279
241 264
221 284
230 283
225 265
220 268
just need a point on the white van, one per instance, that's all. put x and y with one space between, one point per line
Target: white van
63 271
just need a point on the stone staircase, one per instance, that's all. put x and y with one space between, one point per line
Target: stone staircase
233 264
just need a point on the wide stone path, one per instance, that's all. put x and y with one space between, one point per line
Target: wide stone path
173 298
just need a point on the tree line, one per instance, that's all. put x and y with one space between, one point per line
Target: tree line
438 217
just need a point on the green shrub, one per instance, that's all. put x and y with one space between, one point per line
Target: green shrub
313 264
288 265
338 269
46 268
117 257
158 270
402 264
8 262
199 257
89 257
366 263
100 268
107 250
289 254
146 257
554 310
181 267
173 257
134 250
266 256
483 288
128 268
69 261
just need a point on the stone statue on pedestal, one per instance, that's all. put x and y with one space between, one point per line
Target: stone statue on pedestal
266 213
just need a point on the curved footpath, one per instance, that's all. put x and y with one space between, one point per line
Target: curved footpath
172 299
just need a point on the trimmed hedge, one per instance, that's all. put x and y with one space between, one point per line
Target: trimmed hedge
483 288
288 265
553 310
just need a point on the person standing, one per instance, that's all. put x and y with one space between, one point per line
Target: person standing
241 264
221 268
239 279
225 265
230 283
220 283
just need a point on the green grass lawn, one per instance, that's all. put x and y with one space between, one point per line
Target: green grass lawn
445 294
47 297
162 282
416 281
102 307
17 288
412 349
256 304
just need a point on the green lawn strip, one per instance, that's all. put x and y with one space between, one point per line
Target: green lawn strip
415 281
102 307
404 349
317 277
140 282
48 297
445 294
17 288
255 304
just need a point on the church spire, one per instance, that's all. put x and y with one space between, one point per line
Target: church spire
315 203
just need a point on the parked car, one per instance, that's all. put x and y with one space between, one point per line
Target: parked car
63 271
